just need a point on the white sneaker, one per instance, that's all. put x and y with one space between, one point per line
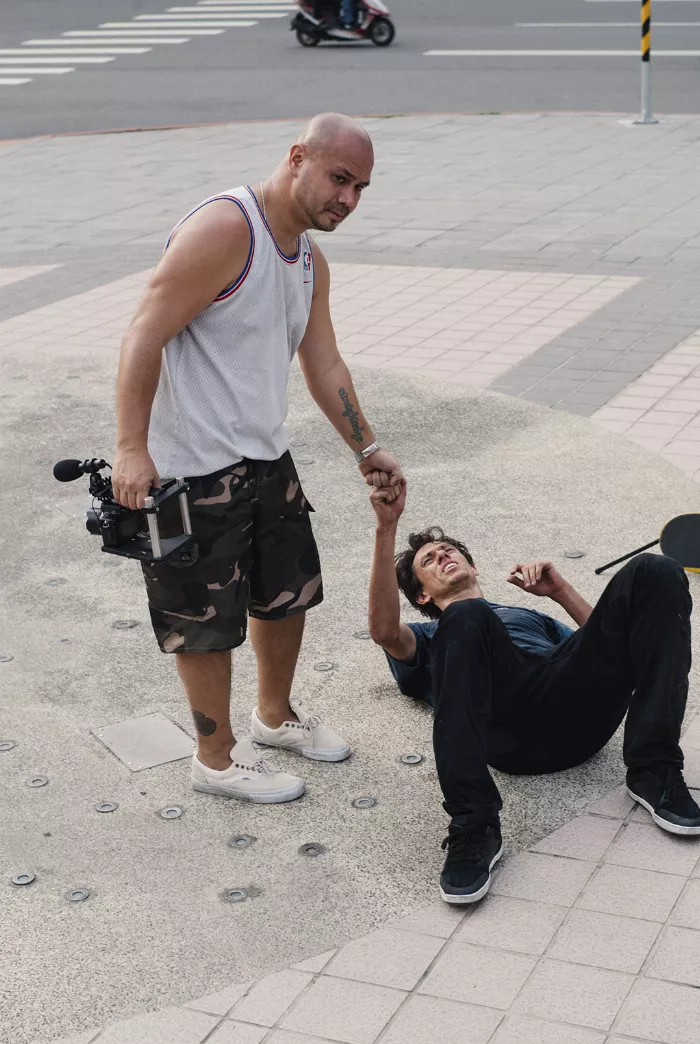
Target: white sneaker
307 736
253 776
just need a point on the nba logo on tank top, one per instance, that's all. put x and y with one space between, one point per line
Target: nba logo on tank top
222 393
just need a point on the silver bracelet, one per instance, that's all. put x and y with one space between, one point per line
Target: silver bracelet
363 454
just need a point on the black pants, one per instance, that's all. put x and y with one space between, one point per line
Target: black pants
529 713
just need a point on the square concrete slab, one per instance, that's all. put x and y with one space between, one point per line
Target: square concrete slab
661 1011
617 804
512 924
220 1003
285 1037
440 1021
686 912
343 1010
677 957
169 1026
650 848
438 919
315 964
237 1033
604 940
144 742
632 893
531 875
521 1029
472 973
268 1000
585 837
387 958
573 993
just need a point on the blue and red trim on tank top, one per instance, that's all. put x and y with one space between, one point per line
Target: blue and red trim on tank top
290 260
232 287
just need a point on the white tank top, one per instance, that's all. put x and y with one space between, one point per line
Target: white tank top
222 393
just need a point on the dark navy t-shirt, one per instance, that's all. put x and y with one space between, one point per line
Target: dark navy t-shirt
529 630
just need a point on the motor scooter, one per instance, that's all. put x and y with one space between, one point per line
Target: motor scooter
320 21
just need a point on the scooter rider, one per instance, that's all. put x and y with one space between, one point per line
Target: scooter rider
348 14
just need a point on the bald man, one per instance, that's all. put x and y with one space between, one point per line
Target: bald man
202 393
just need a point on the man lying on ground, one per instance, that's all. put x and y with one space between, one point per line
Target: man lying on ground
515 689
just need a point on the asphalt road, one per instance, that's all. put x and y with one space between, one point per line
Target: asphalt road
260 71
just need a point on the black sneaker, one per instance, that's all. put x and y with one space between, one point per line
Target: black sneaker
473 849
664 794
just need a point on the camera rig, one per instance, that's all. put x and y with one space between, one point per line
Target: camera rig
125 532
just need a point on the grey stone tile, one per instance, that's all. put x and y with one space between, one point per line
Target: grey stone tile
440 1021
268 999
533 875
661 1011
604 940
511 924
439 919
169 1026
229 1032
631 892
522 1029
617 804
585 837
386 958
686 912
649 848
677 957
477 975
574 993
343 1010
220 1003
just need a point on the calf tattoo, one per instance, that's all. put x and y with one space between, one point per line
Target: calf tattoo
351 413
205 726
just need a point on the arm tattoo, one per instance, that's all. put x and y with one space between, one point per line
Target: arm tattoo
205 726
351 413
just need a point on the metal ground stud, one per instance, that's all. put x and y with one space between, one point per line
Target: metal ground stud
324 666
364 635
6 745
234 895
124 625
574 554
25 877
5 657
77 895
312 850
411 759
242 841
171 812
37 781
305 462
364 802
106 806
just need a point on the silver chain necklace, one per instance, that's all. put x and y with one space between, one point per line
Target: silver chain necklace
262 197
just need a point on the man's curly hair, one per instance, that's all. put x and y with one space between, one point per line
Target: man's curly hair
405 573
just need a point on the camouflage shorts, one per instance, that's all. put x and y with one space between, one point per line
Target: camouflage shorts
255 555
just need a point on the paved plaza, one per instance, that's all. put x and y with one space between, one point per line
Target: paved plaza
519 303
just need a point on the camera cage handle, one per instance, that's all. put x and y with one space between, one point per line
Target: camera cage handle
174 488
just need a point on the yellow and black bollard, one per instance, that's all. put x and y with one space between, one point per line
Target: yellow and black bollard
646 115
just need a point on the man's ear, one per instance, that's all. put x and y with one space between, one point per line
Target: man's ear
297 154
423 598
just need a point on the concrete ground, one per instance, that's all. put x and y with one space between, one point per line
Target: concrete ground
511 476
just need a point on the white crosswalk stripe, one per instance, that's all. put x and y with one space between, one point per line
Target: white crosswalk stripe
34 71
176 25
69 52
43 60
146 38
